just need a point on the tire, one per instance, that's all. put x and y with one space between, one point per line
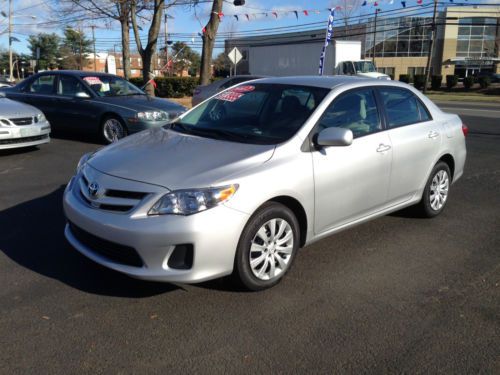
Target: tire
276 254
436 192
112 129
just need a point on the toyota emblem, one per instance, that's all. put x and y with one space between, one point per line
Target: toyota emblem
93 189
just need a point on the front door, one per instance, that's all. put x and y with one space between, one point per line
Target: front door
351 181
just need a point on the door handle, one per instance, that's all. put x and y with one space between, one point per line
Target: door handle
433 134
383 148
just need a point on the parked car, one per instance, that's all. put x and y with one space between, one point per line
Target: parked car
494 77
94 102
239 183
201 93
21 125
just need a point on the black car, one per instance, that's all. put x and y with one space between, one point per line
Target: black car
93 102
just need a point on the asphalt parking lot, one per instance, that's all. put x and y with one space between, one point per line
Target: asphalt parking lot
397 295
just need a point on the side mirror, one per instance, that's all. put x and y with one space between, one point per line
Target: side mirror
334 137
82 95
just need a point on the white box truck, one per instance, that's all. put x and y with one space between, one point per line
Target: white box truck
342 57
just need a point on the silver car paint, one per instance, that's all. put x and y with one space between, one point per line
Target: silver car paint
337 187
10 109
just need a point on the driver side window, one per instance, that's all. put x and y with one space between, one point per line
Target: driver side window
355 110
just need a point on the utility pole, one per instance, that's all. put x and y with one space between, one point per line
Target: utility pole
80 61
11 68
431 49
93 38
375 35
166 38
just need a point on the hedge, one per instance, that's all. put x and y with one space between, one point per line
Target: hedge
468 82
451 81
404 78
419 81
484 82
171 87
436 82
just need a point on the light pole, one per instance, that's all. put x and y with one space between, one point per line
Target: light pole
11 38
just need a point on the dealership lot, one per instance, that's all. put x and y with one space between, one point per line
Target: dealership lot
398 294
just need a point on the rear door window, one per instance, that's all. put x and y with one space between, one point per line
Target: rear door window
402 107
70 86
42 85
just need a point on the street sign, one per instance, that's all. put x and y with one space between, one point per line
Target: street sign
235 56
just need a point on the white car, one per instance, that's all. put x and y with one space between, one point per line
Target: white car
21 125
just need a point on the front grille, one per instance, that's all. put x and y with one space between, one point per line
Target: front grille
110 199
23 140
112 251
20 121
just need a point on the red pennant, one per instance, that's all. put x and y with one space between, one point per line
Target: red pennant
220 15
375 4
419 1
154 83
306 13
204 30
275 14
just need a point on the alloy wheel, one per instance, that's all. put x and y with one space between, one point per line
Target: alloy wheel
439 190
113 130
271 249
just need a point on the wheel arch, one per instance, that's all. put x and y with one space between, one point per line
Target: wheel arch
450 161
298 210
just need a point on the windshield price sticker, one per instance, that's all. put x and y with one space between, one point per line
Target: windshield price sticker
92 80
230 96
244 89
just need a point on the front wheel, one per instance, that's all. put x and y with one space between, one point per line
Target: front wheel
267 247
436 191
112 130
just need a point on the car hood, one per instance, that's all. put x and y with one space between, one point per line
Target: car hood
143 103
177 161
11 108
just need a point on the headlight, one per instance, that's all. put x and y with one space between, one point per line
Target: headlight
40 118
85 158
188 202
153 116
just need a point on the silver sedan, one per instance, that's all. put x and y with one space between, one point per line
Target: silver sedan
242 181
21 125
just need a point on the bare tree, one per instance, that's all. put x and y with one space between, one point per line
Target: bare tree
346 9
118 10
210 32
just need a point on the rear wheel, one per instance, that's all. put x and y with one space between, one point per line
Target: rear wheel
267 247
112 129
436 191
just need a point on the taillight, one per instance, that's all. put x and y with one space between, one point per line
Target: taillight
465 129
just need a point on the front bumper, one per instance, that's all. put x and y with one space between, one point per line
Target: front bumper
24 136
213 235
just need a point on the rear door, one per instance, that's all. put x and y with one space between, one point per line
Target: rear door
40 93
415 138
351 182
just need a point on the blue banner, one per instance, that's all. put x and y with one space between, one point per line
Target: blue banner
328 38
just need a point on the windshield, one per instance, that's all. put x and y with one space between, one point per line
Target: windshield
111 86
364 67
253 113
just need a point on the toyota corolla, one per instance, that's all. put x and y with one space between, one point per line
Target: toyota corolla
242 181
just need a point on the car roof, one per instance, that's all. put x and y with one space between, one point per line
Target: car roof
327 82
79 73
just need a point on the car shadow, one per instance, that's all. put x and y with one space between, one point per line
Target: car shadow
33 237
18 151
76 136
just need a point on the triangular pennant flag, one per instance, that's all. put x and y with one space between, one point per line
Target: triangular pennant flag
375 4
364 3
220 15
338 8
296 14
204 30
306 13
236 16
419 1
275 14
248 17
403 3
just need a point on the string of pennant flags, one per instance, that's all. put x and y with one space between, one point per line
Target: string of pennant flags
306 12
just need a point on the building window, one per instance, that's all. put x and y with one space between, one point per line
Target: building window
398 37
412 71
386 70
476 36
